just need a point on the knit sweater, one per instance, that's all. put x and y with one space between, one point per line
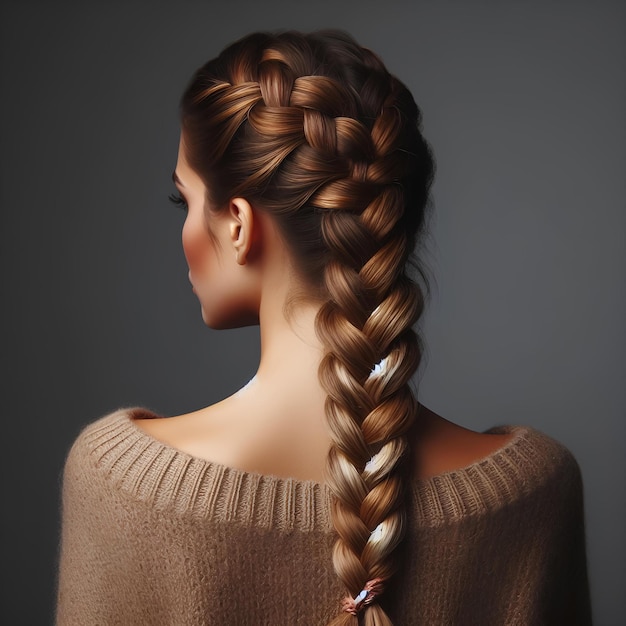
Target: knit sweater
154 536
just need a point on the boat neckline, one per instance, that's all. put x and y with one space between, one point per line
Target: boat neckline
131 415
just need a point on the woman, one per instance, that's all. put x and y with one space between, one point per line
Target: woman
321 492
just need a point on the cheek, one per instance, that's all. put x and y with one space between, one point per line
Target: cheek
196 245
221 288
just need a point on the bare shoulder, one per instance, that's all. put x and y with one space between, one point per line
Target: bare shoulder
157 426
442 446
185 432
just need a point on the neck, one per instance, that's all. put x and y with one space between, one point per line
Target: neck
279 418
290 350
284 403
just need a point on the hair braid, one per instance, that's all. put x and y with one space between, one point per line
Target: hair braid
366 322
315 130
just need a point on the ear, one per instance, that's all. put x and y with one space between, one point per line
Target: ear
241 228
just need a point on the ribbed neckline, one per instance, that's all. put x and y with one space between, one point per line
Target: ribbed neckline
168 478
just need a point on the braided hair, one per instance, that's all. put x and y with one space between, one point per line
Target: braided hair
315 131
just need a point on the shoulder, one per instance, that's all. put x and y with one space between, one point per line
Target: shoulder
116 465
112 463
524 468
109 423
538 453
442 447
535 465
103 438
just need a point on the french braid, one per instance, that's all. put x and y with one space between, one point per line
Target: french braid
313 129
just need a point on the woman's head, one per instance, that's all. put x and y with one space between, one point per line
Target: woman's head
313 132
308 128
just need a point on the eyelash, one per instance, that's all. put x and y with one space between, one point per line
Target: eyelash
178 200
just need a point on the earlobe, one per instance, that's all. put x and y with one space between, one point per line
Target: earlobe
241 227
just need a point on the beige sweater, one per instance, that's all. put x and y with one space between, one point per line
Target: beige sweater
154 536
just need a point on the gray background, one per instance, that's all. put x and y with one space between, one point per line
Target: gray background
524 106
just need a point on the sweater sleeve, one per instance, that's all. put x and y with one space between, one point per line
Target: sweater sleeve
78 554
98 565
567 598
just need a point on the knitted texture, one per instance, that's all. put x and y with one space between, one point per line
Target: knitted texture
154 536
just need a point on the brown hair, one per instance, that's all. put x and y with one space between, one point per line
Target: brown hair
314 130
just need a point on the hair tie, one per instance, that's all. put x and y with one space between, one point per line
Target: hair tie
366 596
